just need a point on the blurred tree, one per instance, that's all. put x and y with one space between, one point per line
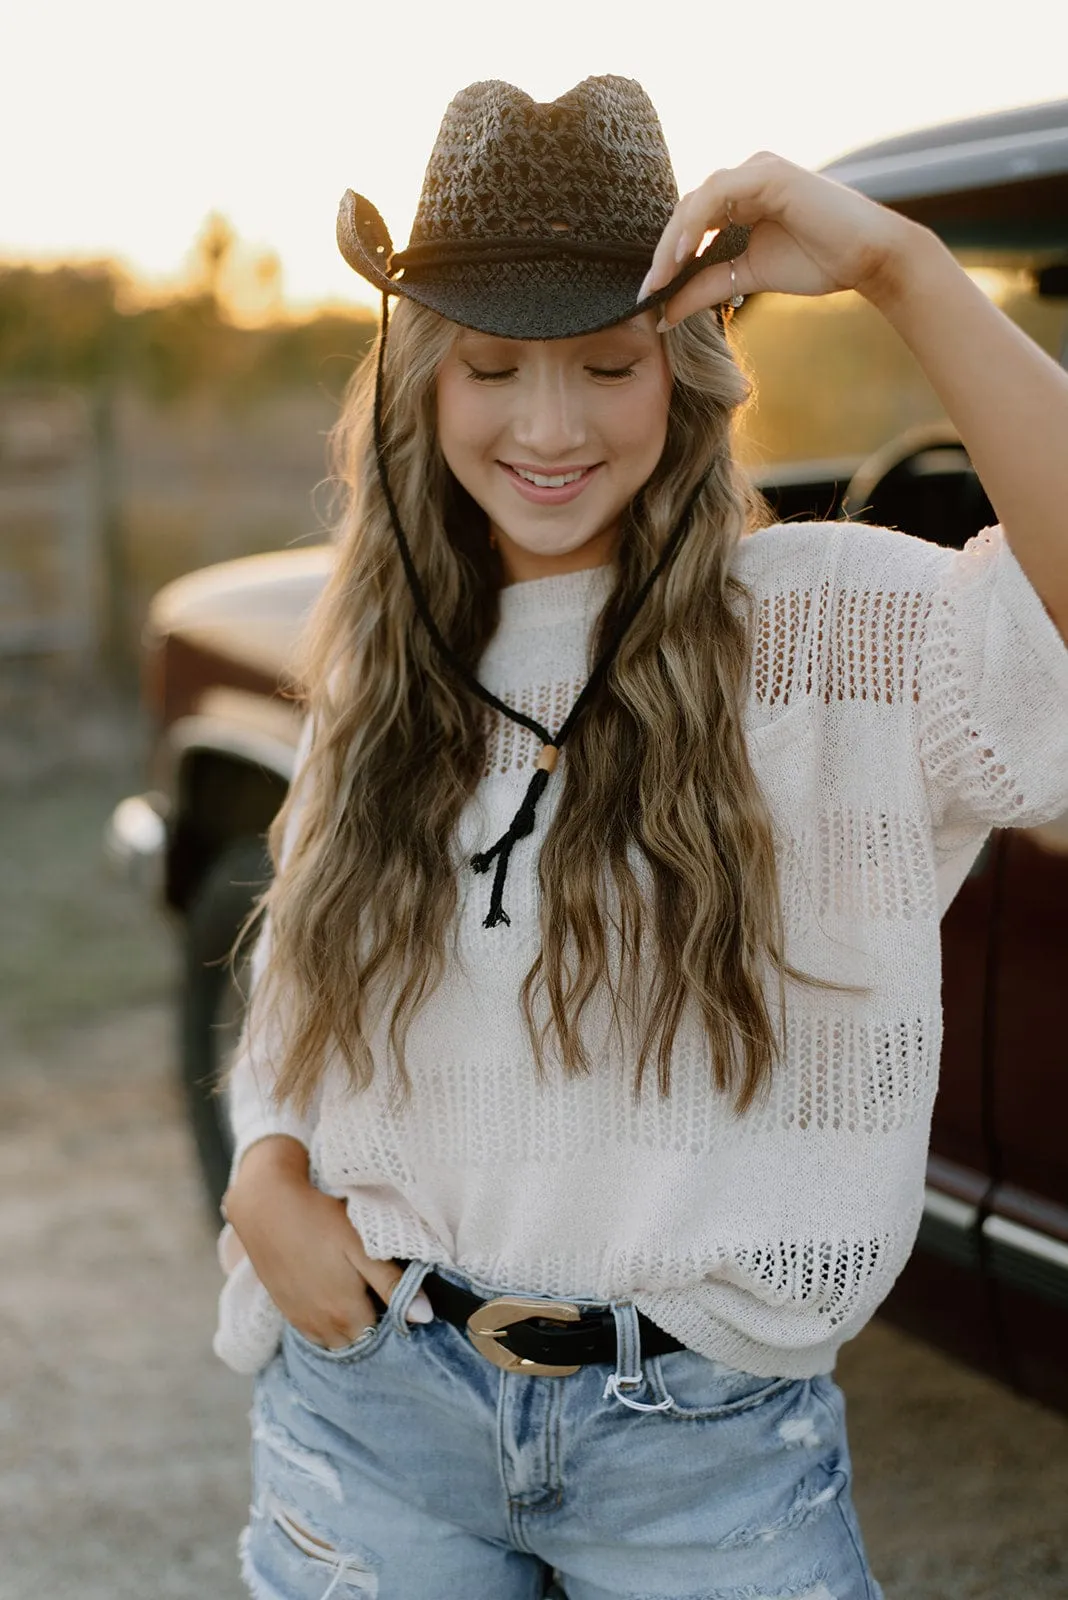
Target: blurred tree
213 249
80 325
57 325
265 276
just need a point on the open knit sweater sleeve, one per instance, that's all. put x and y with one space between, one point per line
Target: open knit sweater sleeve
249 1323
904 699
992 687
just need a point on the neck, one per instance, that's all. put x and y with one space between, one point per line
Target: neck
521 565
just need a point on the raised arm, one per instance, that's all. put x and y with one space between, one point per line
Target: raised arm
1005 396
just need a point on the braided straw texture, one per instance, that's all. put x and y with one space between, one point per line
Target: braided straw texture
592 166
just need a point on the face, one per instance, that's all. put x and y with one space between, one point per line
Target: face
554 438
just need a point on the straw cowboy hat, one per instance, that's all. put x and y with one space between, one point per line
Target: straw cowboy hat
536 221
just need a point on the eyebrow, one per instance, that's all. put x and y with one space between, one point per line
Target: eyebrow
475 336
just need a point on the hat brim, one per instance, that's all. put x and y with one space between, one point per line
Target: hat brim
557 297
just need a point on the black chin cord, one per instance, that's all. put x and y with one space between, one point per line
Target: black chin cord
522 824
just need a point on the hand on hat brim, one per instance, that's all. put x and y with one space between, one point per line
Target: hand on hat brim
809 236
704 280
727 198
705 272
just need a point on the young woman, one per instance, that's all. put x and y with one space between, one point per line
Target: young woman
582 1107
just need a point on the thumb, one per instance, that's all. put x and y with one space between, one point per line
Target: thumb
384 1276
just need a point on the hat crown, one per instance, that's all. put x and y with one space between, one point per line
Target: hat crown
589 167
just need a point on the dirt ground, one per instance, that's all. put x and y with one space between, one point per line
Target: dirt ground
122 1441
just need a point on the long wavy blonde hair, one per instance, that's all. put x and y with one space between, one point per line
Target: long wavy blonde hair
657 782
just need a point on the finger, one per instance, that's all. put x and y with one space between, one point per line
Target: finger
336 1327
361 1315
663 268
692 218
679 242
730 194
713 287
384 1276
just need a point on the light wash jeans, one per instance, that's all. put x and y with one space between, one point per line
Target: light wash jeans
408 1467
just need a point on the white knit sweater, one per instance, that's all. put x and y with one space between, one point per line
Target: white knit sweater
904 700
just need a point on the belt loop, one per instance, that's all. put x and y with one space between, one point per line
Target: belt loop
408 1286
628 1373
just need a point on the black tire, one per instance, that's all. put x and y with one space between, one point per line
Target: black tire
212 1000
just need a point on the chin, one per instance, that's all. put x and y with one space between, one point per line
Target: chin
559 542
565 547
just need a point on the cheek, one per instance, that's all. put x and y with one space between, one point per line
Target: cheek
468 421
454 423
641 429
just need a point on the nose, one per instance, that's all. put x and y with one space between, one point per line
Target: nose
550 419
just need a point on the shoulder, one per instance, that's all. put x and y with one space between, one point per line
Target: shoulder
838 555
841 608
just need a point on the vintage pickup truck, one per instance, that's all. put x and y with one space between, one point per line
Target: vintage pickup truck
989 1277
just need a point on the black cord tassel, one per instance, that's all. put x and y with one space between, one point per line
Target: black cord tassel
522 825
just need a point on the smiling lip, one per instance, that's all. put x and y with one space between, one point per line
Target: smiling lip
546 495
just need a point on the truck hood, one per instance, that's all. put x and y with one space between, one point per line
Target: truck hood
250 610
1002 147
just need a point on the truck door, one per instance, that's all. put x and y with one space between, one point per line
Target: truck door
942 1294
1025 1228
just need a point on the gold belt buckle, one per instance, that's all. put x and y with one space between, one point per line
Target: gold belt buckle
490 1321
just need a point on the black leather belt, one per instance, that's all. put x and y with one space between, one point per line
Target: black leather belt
541 1338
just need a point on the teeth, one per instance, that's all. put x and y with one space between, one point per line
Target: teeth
557 481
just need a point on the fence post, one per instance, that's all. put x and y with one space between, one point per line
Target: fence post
118 657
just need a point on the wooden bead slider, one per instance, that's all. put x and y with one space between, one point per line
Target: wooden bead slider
546 761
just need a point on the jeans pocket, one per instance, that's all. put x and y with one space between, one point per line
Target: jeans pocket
361 1347
700 1389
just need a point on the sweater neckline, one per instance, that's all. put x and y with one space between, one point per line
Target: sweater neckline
579 596
567 597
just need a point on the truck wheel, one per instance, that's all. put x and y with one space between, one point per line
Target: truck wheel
212 1001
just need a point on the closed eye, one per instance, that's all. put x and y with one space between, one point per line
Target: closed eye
610 372
488 377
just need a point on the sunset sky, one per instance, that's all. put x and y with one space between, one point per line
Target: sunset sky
123 125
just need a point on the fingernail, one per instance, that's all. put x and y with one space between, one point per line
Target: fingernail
646 281
664 326
420 1309
684 247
